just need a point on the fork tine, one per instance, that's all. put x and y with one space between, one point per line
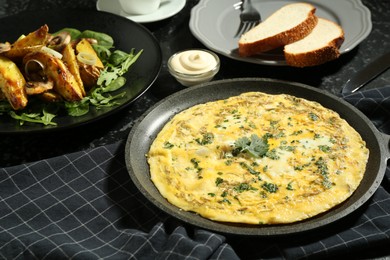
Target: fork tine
240 28
251 25
247 27
244 27
249 17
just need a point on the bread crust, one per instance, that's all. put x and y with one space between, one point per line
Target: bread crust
316 57
294 34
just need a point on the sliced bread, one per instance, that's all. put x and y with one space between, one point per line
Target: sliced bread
320 46
288 24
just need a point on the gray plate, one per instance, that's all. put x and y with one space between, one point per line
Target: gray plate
215 22
144 132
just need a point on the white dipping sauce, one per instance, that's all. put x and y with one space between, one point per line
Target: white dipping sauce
193 62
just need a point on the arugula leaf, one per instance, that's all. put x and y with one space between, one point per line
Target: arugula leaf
45 119
48 117
111 71
114 85
96 98
78 108
132 57
37 113
107 76
117 57
99 100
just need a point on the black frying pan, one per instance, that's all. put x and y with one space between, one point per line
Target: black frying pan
146 129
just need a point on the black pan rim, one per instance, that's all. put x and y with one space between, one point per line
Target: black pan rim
311 224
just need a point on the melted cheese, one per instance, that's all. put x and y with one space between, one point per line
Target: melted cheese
298 160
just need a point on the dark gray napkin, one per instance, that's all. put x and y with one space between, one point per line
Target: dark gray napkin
375 104
84 206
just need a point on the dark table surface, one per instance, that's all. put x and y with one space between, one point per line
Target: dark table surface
174 35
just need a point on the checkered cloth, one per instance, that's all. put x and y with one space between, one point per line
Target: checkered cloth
84 206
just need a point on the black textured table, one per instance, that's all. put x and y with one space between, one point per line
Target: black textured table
174 35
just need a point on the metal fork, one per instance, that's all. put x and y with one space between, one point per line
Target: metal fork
249 18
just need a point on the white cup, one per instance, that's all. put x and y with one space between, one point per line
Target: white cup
140 6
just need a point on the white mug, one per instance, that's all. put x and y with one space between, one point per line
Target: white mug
140 6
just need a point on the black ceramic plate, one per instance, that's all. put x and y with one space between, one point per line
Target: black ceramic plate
144 132
126 34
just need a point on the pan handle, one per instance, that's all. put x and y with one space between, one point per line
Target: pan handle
386 143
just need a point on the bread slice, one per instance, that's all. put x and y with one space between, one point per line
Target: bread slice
320 46
288 24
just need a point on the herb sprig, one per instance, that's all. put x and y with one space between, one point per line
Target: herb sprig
254 146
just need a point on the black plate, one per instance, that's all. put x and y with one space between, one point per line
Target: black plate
145 131
126 34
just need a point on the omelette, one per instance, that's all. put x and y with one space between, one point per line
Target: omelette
257 158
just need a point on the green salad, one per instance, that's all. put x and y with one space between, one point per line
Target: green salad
116 64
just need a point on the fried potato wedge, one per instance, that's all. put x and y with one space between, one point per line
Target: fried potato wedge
12 84
34 41
54 68
85 47
70 60
89 73
38 87
50 96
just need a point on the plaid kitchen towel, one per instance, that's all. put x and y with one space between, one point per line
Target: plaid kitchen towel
84 206
375 104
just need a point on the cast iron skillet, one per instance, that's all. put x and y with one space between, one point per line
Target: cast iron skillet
146 129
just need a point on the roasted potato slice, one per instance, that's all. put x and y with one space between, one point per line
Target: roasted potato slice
70 60
50 96
12 84
89 73
85 47
34 41
38 87
54 68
